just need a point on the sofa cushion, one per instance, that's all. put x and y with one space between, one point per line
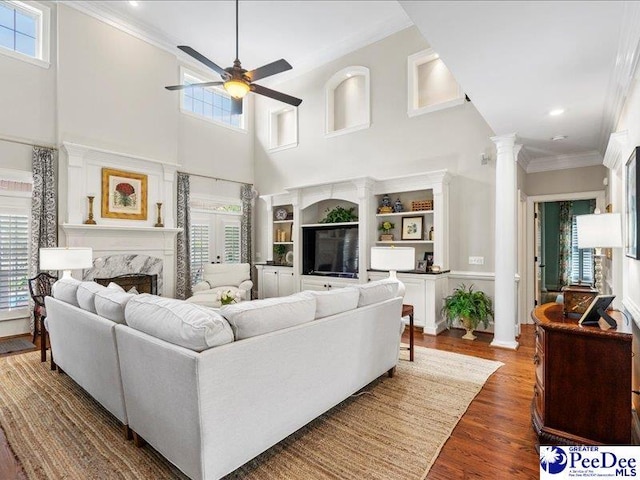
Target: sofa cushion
87 295
221 274
66 290
178 322
110 303
378 291
115 286
257 317
332 302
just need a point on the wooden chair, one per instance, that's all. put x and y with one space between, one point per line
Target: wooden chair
39 288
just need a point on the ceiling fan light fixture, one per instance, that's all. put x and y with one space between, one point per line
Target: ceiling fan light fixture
236 88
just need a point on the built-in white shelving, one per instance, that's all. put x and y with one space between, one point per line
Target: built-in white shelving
404 214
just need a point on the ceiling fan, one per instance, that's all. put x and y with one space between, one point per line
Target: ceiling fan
237 81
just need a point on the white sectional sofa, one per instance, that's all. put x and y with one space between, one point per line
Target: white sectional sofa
208 403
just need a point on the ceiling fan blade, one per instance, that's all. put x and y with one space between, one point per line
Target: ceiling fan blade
201 58
283 97
269 69
236 106
190 85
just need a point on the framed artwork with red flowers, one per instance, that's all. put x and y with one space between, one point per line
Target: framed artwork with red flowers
124 195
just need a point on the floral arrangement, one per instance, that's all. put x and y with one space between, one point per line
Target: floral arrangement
126 192
386 227
227 297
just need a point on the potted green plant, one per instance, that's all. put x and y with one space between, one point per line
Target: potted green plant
340 214
386 227
470 307
279 251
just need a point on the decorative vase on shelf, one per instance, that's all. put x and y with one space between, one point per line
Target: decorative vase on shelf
386 237
397 206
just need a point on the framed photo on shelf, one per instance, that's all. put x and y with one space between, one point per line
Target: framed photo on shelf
124 195
412 228
421 266
633 206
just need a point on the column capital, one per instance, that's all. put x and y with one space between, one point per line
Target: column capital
516 150
505 141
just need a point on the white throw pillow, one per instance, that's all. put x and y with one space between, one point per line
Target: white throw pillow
87 295
332 302
110 304
115 286
178 322
133 290
257 317
66 290
378 291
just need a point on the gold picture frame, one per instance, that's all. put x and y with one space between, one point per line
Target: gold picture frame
124 195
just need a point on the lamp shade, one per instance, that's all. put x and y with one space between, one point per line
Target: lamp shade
65 258
602 230
393 258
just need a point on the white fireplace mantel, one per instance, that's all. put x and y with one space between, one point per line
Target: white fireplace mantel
121 239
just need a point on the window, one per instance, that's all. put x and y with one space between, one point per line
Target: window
24 31
211 103
231 239
215 232
581 259
199 250
14 256
432 87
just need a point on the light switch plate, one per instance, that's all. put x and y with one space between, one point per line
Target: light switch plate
476 260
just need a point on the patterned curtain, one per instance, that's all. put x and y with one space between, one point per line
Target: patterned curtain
183 260
564 250
246 194
44 208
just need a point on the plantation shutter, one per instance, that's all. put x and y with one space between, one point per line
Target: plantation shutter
14 255
199 250
581 258
231 242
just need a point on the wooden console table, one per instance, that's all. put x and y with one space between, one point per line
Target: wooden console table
582 394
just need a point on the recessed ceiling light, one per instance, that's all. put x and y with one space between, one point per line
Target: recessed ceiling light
556 111
558 137
133 3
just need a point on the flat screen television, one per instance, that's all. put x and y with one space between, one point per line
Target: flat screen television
330 250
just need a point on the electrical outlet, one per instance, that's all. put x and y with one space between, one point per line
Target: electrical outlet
476 260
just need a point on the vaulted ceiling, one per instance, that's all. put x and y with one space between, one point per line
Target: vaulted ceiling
517 61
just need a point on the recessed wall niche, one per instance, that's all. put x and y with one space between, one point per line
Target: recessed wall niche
283 128
347 101
432 87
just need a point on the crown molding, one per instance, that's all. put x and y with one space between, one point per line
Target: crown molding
615 148
562 162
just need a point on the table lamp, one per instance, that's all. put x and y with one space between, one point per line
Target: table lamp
65 259
393 259
598 231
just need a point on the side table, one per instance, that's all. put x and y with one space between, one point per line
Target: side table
407 311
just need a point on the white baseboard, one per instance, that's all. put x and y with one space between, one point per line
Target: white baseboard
18 326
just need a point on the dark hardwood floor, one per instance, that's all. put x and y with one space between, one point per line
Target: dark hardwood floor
494 438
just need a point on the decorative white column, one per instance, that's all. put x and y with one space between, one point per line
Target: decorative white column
506 264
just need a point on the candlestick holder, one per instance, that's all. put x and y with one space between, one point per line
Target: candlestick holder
90 220
159 220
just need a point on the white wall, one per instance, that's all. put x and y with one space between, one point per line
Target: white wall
394 145
630 121
570 180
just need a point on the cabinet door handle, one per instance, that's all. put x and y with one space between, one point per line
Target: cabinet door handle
536 359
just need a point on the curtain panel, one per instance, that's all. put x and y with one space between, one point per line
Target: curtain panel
183 249
44 209
246 229
564 248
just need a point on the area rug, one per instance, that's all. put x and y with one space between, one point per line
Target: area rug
393 429
13 345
